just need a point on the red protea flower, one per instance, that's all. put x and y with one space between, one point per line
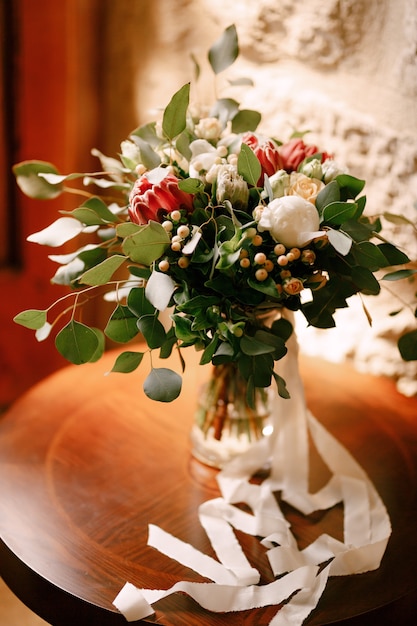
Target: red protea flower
295 151
267 154
151 201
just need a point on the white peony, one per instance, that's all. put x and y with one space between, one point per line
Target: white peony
291 220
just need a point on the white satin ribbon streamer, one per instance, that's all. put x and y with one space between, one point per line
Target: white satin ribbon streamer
301 581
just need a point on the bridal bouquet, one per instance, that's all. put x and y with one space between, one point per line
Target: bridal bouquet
205 217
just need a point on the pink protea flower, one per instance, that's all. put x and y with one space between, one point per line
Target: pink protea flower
151 201
295 151
267 154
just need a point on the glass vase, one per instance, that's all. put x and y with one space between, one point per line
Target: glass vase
225 425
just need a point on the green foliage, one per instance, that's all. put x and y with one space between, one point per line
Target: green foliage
175 115
79 343
32 183
248 165
200 249
32 318
224 52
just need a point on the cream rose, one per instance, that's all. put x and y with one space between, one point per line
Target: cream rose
305 187
291 220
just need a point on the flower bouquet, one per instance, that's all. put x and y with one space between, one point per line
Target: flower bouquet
206 233
204 217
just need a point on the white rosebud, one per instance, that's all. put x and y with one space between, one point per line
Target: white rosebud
312 169
330 170
291 220
208 128
279 183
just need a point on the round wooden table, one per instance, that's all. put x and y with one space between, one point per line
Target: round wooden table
87 462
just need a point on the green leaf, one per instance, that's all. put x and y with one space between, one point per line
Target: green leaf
127 229
174 118
101 274
252 347
35 186
183 329
147 244
77 342
349 185
209 351
32 318
248 165
127 362
339 212
224 51
267 286
148 156
282 328
369 255
366 281
407 345
392 254
100 346
191 185
138 303
246 120
162 385
399 274
281 386
152 330
329 194
92 212
122 325
397 219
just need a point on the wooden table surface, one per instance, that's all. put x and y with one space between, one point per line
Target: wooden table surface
87 462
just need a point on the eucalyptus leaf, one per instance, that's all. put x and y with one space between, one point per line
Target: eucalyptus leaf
77 343
162 385
392 254
138 303
152 330
32 318
174 118
149 157
147 244
122 325
191 185
96 356
281 386
101 274
369 255
127 362
224 51
399 274
407 345
246 120
34 186
248 165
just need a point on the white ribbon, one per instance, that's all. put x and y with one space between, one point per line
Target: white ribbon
302 577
